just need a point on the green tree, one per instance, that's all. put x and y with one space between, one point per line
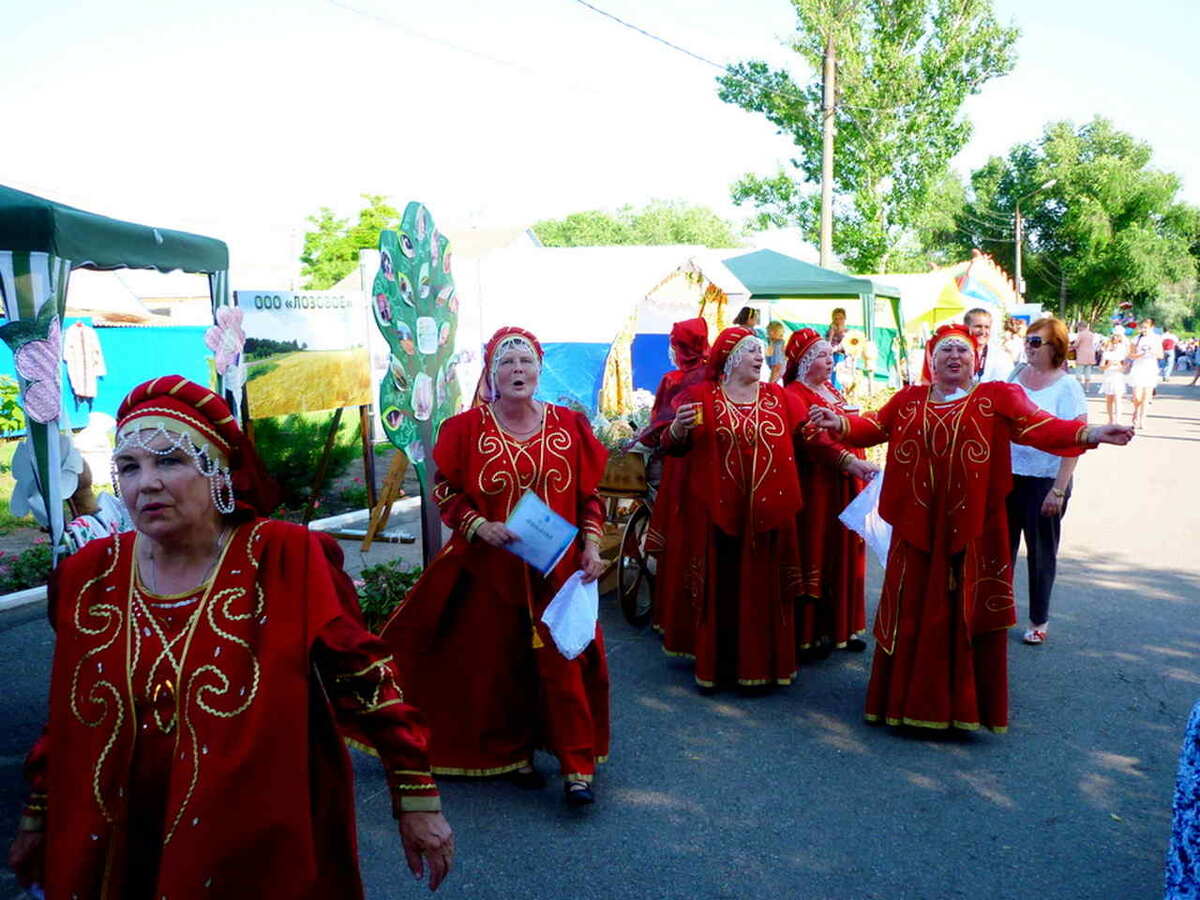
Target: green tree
331 249
659 222
904 70
1111 228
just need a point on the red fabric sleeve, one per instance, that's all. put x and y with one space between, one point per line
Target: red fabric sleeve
593 458
816 444
451 454
1034 426
33 813
360 677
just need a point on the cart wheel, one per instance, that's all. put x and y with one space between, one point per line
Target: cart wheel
635 582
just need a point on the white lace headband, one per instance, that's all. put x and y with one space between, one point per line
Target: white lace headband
809 356
208 461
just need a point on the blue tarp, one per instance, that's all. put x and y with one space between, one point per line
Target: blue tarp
651 361
572 374
131 355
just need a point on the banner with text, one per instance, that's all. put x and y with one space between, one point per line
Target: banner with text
305 351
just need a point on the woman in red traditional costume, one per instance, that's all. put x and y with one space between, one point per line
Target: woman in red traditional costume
739 570
469 637
200 665
947 601
689 350
833 558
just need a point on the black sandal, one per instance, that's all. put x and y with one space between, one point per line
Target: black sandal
578 793
527 779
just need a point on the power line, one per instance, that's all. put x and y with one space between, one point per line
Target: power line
785 92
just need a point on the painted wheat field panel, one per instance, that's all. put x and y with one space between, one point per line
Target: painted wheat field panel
308 381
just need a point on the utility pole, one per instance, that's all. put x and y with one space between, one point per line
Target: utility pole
1018 229
829 93
1017 267
1062 296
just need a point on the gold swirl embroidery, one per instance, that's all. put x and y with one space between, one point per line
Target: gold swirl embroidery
191 687
771 424
557 475
115 620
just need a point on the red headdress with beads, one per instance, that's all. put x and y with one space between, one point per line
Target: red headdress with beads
722 348
953 332
798 344
172 403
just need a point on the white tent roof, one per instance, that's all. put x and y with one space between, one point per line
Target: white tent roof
564 294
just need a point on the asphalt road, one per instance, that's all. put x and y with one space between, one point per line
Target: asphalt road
792 795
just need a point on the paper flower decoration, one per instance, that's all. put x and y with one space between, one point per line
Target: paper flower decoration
226 339
854 343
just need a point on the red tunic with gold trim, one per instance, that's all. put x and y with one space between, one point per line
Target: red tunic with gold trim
947 601
192 749
473 651
738 522
833 558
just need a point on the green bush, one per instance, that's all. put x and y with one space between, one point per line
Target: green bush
291 447
381 587
12 417
27 569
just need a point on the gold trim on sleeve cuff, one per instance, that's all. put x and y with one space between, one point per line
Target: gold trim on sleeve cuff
420 804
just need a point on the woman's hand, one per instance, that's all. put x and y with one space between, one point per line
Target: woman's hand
1053 504
687 417
862 468
427 838
1110 434
823 417
26 857
591 563
495 534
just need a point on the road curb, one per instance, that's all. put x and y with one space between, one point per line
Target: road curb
21 599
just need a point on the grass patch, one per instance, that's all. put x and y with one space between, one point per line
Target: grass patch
7 520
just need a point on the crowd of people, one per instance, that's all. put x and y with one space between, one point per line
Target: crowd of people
208 663
756 572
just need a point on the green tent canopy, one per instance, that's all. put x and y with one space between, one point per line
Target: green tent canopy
41 242
769 275
34 224
777 278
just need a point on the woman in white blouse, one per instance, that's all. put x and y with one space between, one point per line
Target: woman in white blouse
1042 481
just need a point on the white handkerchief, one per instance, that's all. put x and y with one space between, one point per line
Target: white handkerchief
571 615
861 516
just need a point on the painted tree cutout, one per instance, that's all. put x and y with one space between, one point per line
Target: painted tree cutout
416 309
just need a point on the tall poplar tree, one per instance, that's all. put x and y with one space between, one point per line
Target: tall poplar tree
904 70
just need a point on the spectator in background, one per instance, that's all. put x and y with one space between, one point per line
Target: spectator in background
835 334
993 363
1084 346
776 358
1183 854
747 317
1112 361
1143 374
1170 344
1014 339
1041 483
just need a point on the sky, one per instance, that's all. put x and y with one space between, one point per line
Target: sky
240 118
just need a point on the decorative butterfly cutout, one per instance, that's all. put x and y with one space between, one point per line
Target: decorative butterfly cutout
38 363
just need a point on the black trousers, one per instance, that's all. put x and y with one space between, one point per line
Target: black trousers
1041 539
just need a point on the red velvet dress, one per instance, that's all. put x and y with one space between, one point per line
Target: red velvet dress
192 749
664 538
739 571
947 601
833 558
469 639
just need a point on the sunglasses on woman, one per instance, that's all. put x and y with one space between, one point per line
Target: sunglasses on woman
1034 341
